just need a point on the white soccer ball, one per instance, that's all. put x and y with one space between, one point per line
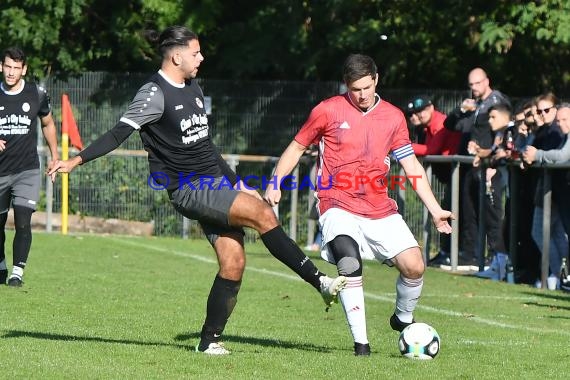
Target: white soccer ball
419 341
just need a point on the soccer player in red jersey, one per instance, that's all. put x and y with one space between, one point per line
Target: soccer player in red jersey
356 132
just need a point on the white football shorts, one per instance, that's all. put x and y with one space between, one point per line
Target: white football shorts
379 239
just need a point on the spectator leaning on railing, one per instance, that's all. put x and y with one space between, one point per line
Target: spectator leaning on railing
548 136
527 255
560 185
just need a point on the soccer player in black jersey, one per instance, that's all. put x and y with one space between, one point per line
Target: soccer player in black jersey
21 104
168 111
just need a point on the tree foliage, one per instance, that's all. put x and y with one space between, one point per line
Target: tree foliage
524 45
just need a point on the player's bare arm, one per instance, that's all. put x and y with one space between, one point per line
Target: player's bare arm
50 135
289 159
244 188
418 177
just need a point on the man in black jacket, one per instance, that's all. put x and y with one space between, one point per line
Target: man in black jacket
472 119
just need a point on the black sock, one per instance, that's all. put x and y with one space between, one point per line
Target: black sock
285 250
221 303
23 237
3 219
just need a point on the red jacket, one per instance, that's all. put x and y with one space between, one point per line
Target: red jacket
439 140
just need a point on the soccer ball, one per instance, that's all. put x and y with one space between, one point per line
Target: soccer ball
419 341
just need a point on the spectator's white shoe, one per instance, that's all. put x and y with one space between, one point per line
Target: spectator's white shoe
330 288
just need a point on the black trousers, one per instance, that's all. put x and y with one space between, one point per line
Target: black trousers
492 212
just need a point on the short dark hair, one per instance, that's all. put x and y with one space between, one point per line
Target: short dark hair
357 66
501 108
14 53
171 37
522 105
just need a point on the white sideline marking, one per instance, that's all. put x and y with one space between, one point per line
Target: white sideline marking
367 294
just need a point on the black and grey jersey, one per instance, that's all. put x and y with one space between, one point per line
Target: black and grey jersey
173 125
19 111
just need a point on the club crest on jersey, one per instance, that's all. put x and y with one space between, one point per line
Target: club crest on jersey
199 103
26 107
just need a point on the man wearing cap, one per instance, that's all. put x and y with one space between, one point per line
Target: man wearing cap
438 141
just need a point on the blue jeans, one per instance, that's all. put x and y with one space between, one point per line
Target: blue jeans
558 237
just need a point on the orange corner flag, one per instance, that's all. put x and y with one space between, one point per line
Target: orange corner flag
68 124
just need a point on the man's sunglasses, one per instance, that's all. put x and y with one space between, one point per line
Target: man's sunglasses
545 110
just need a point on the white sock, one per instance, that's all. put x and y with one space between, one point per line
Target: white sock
3 265
352 300
17 272
408 292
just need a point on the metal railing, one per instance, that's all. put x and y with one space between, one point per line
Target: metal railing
456 162
294 210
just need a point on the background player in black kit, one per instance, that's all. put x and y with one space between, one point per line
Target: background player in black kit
21 104
168 111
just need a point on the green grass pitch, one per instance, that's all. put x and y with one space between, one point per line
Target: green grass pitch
108 307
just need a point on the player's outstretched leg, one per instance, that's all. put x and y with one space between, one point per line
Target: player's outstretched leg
251 212
288 252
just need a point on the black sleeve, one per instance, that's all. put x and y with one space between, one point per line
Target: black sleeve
458 121
107 142
226 170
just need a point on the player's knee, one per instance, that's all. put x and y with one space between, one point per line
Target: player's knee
232 267
266 217
347 255
238 264
349 266
414 270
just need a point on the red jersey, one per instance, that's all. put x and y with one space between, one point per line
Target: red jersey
439 140
354 146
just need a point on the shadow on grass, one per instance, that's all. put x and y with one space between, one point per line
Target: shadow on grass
8 334
48 336
553 295
554 307
557 296
260 342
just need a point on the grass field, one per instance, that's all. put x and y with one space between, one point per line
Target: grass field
96 307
